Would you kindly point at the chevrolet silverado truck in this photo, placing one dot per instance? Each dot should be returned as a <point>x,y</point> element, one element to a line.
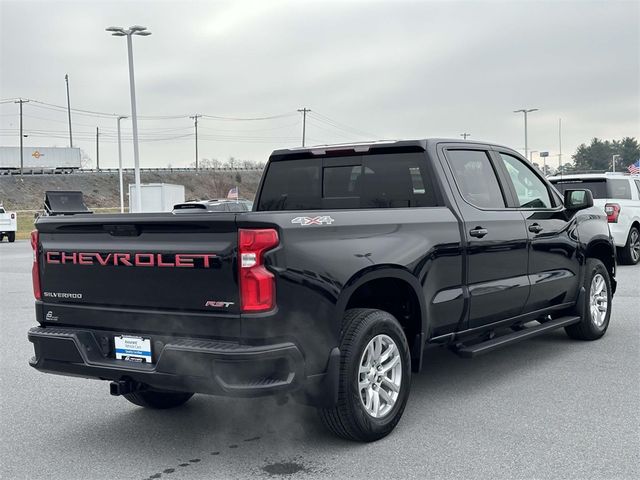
<point>354,260</point>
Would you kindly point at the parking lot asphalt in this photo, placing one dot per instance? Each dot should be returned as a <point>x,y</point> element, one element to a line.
<point>550,407</point>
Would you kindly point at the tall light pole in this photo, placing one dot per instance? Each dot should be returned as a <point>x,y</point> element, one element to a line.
<point>66,79</point>
<point>120,166</point>
<point>121,32</point>
<point>613,162</point>
<point>544,156</point>
<point>526,111</point>
<point>465,135</point>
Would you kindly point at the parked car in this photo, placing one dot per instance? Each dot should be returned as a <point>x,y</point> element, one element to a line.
<point>8,224</point>
<point>355,259</point>
<point>619,196</point>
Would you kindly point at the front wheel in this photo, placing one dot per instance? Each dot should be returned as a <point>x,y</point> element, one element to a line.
<point>630,253</point>
<point>158,399</point>
<point>375,377</point>
<point>595,308</point>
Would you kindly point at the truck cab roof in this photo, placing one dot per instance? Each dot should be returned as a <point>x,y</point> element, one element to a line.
<point>376,146</point>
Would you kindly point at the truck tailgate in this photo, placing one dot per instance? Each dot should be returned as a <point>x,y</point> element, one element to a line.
<point>152,262</point>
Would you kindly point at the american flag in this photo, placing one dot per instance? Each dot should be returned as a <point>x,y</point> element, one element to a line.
<point>233,193</point>
<point>634,167</point>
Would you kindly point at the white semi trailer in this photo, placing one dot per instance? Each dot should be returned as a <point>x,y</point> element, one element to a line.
<point>39,160</point>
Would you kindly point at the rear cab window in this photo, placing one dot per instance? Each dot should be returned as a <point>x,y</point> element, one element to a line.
<point>382,180</point>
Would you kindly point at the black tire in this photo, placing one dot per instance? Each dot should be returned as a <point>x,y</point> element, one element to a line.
<point>158,399</point>
<point>629,254</point>
<point>588,327</point>
<point>349,419</point>
<point>11,236</point>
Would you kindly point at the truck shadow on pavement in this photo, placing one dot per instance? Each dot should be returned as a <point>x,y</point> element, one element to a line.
<point>280,440</point>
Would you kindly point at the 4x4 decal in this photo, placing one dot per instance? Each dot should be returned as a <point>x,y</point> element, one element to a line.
<point>320,220</point>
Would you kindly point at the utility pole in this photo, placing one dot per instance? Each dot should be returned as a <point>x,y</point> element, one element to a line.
<point>97,150</point>
<point>465,135</point>
<point>66,79</point>
<point>120,166</point>
<point>195,124</point>
<point>304,122</point>
<point>21,101</point>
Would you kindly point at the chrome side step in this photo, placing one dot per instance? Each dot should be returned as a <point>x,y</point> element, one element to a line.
<point>517,336</point>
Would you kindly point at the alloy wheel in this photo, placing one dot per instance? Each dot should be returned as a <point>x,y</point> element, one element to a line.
<point>380,376</point>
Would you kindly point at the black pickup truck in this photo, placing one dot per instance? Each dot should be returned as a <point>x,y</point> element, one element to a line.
<point>354,260</point>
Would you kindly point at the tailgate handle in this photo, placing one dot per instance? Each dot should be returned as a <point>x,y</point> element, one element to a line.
<point>122,230</point>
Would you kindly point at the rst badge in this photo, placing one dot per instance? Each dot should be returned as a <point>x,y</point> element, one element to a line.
<point>320,220</point>
<point>217,304</point>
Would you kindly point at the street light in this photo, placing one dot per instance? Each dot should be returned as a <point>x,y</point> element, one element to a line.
<point>120,166</point>
<point>121,32</point>
<point>525,111</point>
<point>613,162</point>
<point>544,156</point>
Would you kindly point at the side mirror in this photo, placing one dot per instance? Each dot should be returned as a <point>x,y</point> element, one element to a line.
<point>575,200</point>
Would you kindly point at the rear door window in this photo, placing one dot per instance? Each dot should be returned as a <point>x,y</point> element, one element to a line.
<point>476,179</point>
<point>360,181</point>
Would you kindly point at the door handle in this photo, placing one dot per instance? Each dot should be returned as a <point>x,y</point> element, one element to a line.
<point>478,232</point>
<point>535,228</point>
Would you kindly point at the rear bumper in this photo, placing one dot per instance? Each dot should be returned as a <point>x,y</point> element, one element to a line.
<point>188,364</point>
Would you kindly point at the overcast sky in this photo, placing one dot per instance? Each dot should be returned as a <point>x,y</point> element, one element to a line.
<point>367,70</point>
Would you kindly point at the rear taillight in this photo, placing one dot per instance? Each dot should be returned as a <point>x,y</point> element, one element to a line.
<point>13,216</point>
<point>612,210</point>
<point>257,284</point>
<point>35,269</point>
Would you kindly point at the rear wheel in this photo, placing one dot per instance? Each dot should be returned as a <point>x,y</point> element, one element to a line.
<point>158,399</point>
<point>595,308</point>
<point>630,253</point>
<point>11,236</point>
<point>375,377</point>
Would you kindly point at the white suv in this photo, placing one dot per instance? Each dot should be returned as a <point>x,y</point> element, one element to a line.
<point>619,195</point>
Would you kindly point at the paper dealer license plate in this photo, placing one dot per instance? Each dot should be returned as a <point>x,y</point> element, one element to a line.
<point>133,349</point>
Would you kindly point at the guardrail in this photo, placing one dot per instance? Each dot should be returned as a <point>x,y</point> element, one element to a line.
<point>69,171</point>
<point>171,169</point>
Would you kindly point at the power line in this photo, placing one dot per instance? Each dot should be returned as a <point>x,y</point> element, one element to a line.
<point>334,123</point>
